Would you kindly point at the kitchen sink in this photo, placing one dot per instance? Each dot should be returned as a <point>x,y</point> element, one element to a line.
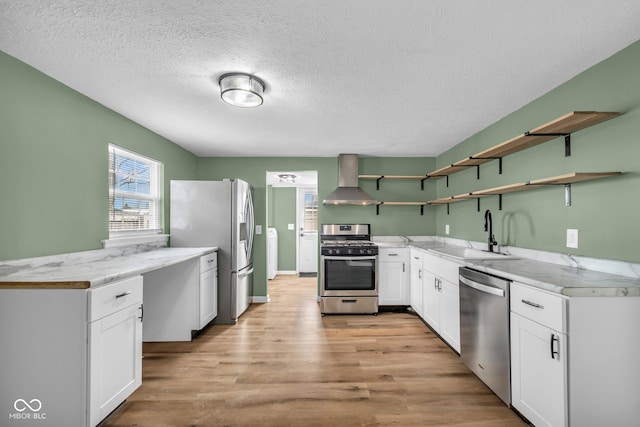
<point>472,254</point>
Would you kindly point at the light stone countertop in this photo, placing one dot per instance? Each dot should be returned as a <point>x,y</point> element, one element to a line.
<point>90,269</point>
<point>557,273</point>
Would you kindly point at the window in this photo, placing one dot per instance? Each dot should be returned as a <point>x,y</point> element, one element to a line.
<point>134,193</point>
<point>310,211</point>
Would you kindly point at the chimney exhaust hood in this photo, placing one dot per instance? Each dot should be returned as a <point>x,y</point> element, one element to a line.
<point>348,192</point>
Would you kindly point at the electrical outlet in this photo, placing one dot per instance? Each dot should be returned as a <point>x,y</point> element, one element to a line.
<point>572,238</point>
<point>291,227</point>
<point>258,229</point>
<point>446,229</point>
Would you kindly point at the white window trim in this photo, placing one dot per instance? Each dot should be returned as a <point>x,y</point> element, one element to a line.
<point>131,237</point>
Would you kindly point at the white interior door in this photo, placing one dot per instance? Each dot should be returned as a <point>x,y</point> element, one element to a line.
<point>307,207</point>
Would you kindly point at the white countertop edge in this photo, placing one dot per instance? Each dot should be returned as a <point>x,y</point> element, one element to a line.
<point>98,267</point>
<point>198,252</point>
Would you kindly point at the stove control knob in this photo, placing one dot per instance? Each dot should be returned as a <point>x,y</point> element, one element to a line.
<point>350,251</point>
<point>330,251</point>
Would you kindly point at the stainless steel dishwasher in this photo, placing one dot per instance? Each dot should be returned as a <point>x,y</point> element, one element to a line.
<point>484,329</point>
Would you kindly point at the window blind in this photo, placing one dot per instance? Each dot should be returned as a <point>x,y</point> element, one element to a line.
<point>134,193</point>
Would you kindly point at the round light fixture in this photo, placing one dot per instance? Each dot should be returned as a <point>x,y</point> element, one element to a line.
<point>241,90</point>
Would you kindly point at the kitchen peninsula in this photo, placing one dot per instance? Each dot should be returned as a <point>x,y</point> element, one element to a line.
<point>72,330</point>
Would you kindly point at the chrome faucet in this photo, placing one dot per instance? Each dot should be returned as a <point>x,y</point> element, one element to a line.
<point>488,226</point>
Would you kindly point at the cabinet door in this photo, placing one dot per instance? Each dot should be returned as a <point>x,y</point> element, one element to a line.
<point>115,360</point>
<point>208,296</point>
<point>431,299</point>
<point>390,283</point>
<point>415,291</point>
<point>450,314</point>
<point>538,377</point>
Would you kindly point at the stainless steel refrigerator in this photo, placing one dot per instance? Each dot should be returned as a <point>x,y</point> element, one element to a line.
<point>218,213</point>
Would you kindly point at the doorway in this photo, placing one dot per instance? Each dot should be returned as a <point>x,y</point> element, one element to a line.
<point>292,221</point>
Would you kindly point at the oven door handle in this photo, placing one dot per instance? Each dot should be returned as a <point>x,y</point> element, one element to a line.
<point>349,258</point>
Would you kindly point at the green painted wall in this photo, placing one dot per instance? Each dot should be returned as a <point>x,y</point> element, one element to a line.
<point>53,163</point>
<point>605,212</point>
<point>282,204</point>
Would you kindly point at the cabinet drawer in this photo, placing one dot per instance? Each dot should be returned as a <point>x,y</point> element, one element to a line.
<point>542,307</point>
<point>209,261</point>
<point>110,298</point>
<point>395,254</point>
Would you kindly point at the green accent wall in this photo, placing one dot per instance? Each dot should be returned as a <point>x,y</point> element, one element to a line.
<point>53,163</point>
<point>604,211</point>
<point>282,205</point>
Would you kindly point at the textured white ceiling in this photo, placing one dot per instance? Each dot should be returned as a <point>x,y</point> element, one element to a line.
<point>373,77</point>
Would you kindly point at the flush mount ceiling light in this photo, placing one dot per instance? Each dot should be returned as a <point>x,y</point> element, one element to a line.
<point>287,178</point>
<point>241,90</point>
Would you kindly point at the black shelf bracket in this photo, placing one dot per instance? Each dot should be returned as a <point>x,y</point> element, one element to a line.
<point>478,201</point>
<point>447,208</point>
<point>378,182</point>
<point>500,202</point>
<point>422,182</point>
<point>422,210</point>
<point>567,140</point>
<point>378,208</point>
<point>499,159</point>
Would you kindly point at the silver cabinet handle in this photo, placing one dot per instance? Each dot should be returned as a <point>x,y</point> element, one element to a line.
<point>124,294</point>
<point>532,304</point>
<point>403,267</point>
<point>392,254</point>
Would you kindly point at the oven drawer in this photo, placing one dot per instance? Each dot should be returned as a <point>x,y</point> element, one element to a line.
<point>349,305</point>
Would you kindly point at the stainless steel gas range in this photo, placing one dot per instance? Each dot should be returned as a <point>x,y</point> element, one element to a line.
<point>348,269</point>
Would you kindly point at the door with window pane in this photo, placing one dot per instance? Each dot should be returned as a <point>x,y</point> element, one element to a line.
<point>308,230</point>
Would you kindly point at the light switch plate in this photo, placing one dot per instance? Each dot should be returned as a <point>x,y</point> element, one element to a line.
<point>258,229</point>
<point>572,238</point>
<point>291,227</point>
<point>446,229</point>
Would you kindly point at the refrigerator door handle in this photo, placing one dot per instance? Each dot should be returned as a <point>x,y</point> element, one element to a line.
<point>250,223</point>
<point>245,273</point>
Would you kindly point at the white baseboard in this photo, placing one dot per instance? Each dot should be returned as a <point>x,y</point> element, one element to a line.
<point>287,272</point>
<point>260,299</point>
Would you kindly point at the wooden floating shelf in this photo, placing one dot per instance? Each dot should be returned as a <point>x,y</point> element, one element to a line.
<point>564,125</point>
<point>421,204</point>
<point>378,178</point>
<point>393,176</point>
<point>565,179</point>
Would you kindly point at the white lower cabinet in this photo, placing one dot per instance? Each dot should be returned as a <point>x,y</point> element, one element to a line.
<point>208,289</point>
<point>73,355</point>
<point>393,276</point>
<point>416,287</point>
<point>115,352</point>
<point>574,360</point>
<point>538,372</point>
<point>441,295</point>
<point>539,355</point>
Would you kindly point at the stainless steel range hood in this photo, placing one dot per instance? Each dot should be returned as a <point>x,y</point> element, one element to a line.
<point>348,192</point>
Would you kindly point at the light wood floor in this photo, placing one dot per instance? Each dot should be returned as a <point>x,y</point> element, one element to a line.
<point>284,364</point>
